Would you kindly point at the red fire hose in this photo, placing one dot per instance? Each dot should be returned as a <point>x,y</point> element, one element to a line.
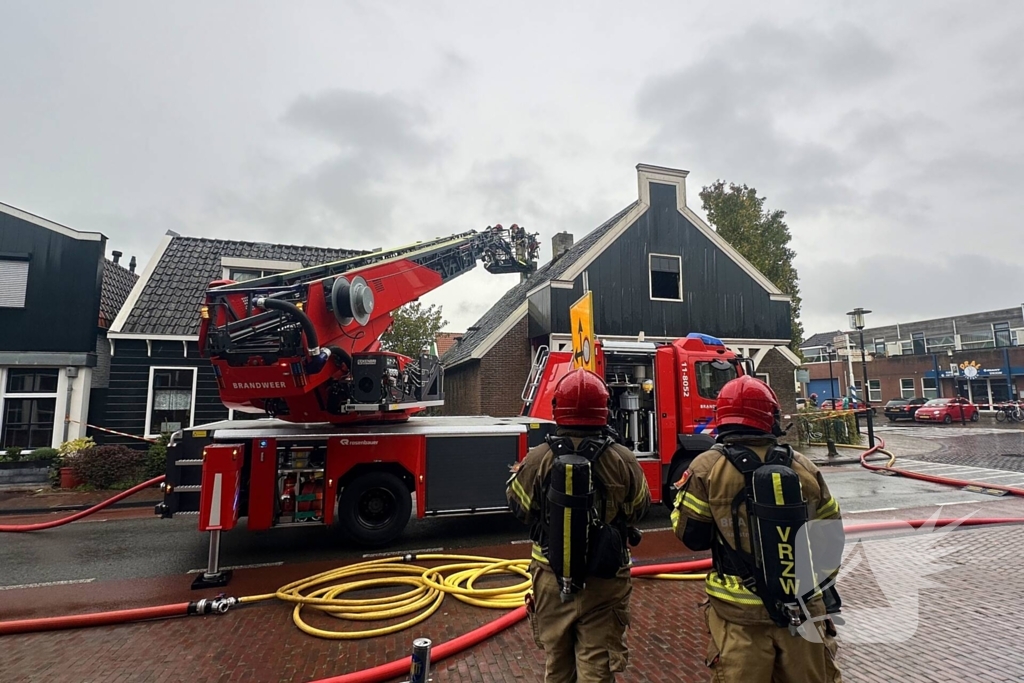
<point>18,528</point>
<point>181,609</point>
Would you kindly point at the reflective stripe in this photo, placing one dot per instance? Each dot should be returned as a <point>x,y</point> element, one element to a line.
<point>521,494</point>
<point>730,589</point>
<point>538,554</point>
<point>694,504</point>
<point>676,516</point>
<point>567,526</point>
<point>641,494</point>
<point>828,509</point>
<point>777,485</point>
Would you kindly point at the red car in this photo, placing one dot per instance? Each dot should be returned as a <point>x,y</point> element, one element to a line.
<point>947,410</point>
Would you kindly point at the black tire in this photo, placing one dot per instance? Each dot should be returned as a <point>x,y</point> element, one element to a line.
<point>1001,416</point>
<point>374,508</point>
<point>948,419</point>
<point>891,418</point>
<point>976,416</point>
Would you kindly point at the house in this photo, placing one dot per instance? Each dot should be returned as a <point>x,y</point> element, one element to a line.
<point>977,355</point>
<point>444,341</point>
<point>158,381</point>
<point>58,295</point>
<point>655,268</point>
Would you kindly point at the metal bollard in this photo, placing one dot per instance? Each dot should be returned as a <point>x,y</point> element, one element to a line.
<point>419,671</point>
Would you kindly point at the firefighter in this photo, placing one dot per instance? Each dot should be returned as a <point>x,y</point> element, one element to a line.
<point>580,620</point>
<point>756,634</point>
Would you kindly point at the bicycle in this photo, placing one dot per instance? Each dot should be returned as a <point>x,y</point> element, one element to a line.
<point>1010,412</point>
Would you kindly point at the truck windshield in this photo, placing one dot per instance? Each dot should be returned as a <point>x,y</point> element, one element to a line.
<point>712,376</point>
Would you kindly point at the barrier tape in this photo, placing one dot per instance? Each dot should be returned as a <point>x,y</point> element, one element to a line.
<point>113,431</point>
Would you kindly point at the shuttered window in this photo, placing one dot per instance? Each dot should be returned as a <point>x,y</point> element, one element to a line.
<point>13,282</point>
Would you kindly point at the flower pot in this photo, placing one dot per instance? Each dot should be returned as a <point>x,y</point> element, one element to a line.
<point>68,479</point>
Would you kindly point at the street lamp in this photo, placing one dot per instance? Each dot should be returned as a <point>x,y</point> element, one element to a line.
<point>857,322</point>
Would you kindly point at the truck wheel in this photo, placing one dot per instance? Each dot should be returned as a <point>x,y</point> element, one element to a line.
<point>374,508</point>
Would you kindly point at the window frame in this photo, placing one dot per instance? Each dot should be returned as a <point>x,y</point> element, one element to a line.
<point>4,396</point>
<point>871,391</point>
<point>650,276</point>
<point>903,389</point>
<point>925,390</point>
<point>1004,327</point>
<point>149,396</point>
<point>880,341</point>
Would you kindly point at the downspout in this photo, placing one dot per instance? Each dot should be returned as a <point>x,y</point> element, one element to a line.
<point>70,374</point>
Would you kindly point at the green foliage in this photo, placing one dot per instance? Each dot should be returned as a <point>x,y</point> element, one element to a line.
<point>69,449</point>
<point>413,328</point>
<point>45,455</point>
<point>816,426</point>
<point>156,457</point>
<point>12,454</point>
<point>110,466</point>
<point>761,235</point>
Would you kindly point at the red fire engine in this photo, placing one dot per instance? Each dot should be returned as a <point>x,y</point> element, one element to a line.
<point>343,443</point>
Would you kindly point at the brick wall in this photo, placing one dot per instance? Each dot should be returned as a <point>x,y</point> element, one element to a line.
<point>503,372</point>
<point>462,389</point>
<point>889,371</point>
<point>780,378</point>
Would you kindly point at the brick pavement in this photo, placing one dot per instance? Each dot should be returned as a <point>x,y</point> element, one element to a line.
<point>967,631</point>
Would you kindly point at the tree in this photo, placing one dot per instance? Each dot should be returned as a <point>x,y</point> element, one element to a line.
<point>413,328</point>
<point>761,235</point>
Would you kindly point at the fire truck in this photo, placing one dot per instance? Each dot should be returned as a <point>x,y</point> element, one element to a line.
<point>342,442</point>
<point>662,398</point>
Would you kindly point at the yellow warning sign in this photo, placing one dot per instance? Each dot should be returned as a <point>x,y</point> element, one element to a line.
<point>581,317</point>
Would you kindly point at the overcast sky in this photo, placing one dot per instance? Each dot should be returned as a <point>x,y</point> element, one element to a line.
<point>891,133</point>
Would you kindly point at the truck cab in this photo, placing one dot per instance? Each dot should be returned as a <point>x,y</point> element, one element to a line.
<point>662,398</point>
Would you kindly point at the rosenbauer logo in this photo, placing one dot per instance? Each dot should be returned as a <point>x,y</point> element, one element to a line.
<point>356,442</point>
<point>258,385</point>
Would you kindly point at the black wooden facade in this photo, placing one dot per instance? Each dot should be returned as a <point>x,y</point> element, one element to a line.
<point>62,296</point>
<point>718,296</point>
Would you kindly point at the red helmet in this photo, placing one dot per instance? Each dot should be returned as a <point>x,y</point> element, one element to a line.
<point>748,402</point>
<point>581,400</point>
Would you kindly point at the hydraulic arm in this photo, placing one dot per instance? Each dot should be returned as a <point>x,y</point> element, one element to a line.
<point>304,345</point>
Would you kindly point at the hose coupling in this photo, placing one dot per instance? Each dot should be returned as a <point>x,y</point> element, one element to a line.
<point>260,301</point>
<point>222,605</point>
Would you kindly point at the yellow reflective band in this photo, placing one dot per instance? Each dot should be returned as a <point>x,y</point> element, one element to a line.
<point>567,525</point>
<point>730,589</point>
<point>694,504</point>
<point>521,494</point>
<point>538,554</point>
<point>777,485</point>
<point>641,494</point>
<point>828,509</point>
<point>676,517</point>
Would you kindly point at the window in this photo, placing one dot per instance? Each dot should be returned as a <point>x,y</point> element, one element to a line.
<point>933,344</point>
<point>13,280</point>
<point>929,389</point>
<point>763,376</point>
<point>918,342</point>
<point>29,407</point>
<point>906,348</point>
<point>172,394</point>
<point>875,390</point>
<point>1001,332</point>
<point>880,346</point>
<point>815,354</point>
<point>907,387</point>
<point>712,376</point>
<point>666,277</point>
<point>244,269</point>
<point>243,274</point>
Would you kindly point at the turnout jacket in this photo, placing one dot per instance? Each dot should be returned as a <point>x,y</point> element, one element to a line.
<point>624,491</point>
<point>702,517</point>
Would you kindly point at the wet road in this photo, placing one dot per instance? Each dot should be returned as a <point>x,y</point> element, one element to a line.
<point>143,547</point>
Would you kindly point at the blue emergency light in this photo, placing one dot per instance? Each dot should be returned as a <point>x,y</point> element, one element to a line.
<point>706,338</point>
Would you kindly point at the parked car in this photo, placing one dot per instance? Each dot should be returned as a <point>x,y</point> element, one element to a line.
<point>902,408</point>
<point>837,404</point>
<point>947,410</point>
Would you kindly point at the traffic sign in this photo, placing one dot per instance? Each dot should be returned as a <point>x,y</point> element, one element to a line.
<point>581,318</point>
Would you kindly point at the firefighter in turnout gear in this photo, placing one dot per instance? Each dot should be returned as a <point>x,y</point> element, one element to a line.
<point>580,492</point>
<point>752,502</point>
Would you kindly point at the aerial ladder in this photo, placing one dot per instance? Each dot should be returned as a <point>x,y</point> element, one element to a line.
<point>304,345</point>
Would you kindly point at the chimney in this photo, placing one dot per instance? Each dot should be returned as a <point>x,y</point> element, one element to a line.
<point>131,265</point>
<point>560,244</point>
<point>117,256</point>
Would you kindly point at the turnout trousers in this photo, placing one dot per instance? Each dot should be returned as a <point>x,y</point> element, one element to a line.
<point>584,640</point>
<point>766,653</point>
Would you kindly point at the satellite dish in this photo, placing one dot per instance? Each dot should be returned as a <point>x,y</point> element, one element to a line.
<point>352,301</point>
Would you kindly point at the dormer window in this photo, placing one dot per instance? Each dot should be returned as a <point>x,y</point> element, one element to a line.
<point>244,269</point>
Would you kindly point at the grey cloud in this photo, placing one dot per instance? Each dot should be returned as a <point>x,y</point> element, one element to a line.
<point>903,288</point>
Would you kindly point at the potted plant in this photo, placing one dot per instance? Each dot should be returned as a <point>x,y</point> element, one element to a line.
<point>68,452</point>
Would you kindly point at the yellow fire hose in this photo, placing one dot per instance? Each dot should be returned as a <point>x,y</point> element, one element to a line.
<point>428,587</point>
